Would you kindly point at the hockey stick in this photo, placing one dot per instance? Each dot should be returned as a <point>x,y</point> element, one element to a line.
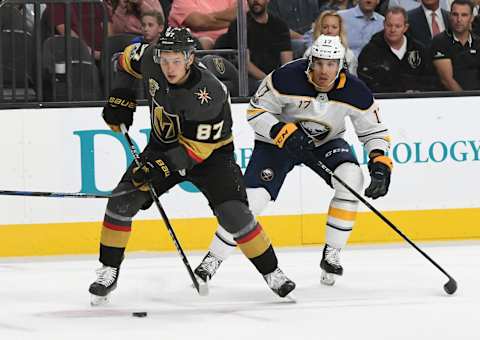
<point>451,286</point>
<point>201,289</point>
<point>62,194</point>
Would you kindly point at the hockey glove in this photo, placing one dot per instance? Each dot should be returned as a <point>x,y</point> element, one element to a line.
<point>380,168</point>
<point>119,109</point>
<point>290,137</point>
<point>142,176</point>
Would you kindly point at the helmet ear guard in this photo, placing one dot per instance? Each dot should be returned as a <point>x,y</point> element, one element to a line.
<point>175,39</point>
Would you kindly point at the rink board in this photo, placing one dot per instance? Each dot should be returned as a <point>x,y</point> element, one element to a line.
<point>434,191</point>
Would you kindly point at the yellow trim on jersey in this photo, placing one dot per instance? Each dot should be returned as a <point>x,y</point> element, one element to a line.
<point>203,150</point>
<point>254,111</point>
<point>126,64</point>
<point>342,81</point>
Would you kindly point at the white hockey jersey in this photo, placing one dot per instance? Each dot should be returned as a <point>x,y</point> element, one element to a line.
<point>288,95</point>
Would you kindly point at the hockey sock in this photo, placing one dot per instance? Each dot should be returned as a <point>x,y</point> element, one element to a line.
<point>256,245</point>
<point>114,239</point>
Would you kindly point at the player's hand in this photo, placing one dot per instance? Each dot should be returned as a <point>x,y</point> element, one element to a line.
<point>143,175</point>
<point>380,168</point>
<point>290,137</point>
<point>119,109</point>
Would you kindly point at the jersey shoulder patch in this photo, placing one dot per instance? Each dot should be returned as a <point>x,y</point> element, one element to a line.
<point>291,79</point>
<point>132,59</point>
<point>353,92</point>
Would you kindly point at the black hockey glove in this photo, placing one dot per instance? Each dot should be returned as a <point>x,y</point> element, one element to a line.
<point>142,176</point>
<point>119,109</point>
<point>291,137</point>
<point>380,168</point>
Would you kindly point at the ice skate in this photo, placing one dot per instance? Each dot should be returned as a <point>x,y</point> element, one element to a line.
<point>208,267</point>
<point>330,265</point>
<point>279,283</point>
<point>106,282</point>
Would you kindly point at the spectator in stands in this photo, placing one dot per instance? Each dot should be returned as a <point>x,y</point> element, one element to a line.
<point>299,16</point>
<point>126,14</point>
<point>207,19</point>
<point>426,21</point>
<point>362,22</point>
<point>336,5</point>
<point>153,24</point>
<point>330,23</point>
<point>408,5</point>
<point>394,62</point>
<point>456,53</point>
<point>88,16</point>
<point>268,41</point>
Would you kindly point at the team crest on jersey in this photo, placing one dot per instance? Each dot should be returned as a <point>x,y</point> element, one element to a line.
<point>203,96</point>
<point>315,130</point>
<point>153,87</point>
<point>219,65</point>
<point>267,175</point>
<point>414,59</point>
<point>165,125</point>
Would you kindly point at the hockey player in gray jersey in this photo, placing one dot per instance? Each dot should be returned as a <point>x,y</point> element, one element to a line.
<point>298,115</point>
<point>191,139</point>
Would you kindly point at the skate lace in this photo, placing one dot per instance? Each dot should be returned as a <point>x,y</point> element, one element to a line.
<point>332,256</point>
<point>106,275</point>
<point>275,279</point>
<point>210,263</point>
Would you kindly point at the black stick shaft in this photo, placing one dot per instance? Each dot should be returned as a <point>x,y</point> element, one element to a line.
<point>382,217</point>
<point>154,195</point>
<point>62,194</point>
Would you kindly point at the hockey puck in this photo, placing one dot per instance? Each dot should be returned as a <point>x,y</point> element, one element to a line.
<point>139,314</point>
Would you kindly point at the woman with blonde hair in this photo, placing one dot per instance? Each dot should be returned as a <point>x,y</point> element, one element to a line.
<point>330,23</point>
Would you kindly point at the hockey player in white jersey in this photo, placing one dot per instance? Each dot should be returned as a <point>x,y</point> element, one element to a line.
<point>298,114</point>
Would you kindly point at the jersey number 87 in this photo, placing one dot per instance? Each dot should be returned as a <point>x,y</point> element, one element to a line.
<point>205,131</point>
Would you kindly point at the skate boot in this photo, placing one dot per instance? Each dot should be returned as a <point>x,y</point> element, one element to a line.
<point>208,267</point>
<point>106,282</point>
<point>330,265</point>
<point>279,282</point>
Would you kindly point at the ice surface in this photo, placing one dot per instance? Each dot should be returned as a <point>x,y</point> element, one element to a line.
<point>387,292</point>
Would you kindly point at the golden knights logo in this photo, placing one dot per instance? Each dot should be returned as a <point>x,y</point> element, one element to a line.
<point>153,87</point>
<point>414,59</point>
<point>165,125</point>
<point>219,65</point>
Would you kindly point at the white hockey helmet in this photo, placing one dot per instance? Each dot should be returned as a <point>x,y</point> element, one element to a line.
<point>328,47</point>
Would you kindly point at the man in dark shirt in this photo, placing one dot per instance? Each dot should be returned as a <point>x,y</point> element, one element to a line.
<point>393,61</point>
<point>268,42</point>
<point>455,53</point>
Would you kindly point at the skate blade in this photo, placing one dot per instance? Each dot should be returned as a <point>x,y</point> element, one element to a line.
<point>327,279</point>
<point>291,298</point>
<point>96,300</point>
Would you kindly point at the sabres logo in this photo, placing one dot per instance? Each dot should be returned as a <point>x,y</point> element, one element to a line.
<point>203,96</point>
<point>153,87</point>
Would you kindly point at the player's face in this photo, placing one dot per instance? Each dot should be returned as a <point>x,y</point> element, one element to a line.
<point>174,66</point>
<point>331,25</point>
<point>460,18</point>
<point>151,30</point>
<point>394,28</point>
<point>324,72</point>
